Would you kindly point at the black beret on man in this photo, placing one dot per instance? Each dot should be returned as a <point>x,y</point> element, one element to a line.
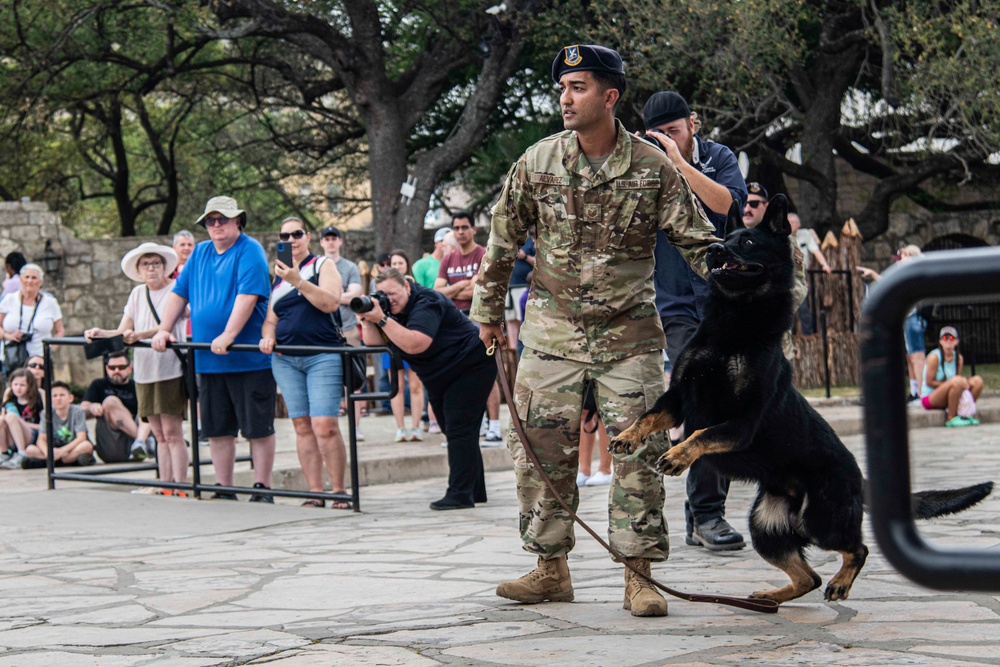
<point>663,107</point>
<point>586,58</point>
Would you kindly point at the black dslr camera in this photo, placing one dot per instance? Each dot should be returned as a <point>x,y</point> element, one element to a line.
<point>363,304</point>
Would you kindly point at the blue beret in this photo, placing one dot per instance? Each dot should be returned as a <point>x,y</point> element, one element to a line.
<point>586,58</point>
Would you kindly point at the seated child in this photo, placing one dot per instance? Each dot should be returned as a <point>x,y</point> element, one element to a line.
<point>22,410</point>
<point>71,444</point>
<point>944,388</point>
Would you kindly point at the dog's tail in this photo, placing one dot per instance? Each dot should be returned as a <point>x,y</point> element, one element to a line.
<point>930,504</point>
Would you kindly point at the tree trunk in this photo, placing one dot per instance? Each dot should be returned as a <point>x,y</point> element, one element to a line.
<point>123,200</point>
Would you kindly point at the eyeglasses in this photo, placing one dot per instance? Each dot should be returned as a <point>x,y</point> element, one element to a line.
<point>221,220</point>
<point>150,265</point>
<point>948,337</point>
<point>755,203</point>
<point>297,234</point>
<point>118,367</point>
<point>36,365</point>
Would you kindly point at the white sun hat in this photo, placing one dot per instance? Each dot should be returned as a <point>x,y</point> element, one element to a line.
<point>131,259</point>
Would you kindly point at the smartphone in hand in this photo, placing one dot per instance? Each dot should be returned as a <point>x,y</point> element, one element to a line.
<point>285,253</point>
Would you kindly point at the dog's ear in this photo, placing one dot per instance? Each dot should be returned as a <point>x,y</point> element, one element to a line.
<point>735,219</point>
<point>776,216</point>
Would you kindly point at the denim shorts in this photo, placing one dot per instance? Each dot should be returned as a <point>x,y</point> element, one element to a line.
<point>914,327</point>
<point>311,385</point>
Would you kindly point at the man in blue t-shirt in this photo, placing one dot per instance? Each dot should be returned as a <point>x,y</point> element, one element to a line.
<point>226,284</point>
<point>714,175</point>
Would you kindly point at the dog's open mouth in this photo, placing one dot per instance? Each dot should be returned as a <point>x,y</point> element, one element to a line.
<point>731,266</point>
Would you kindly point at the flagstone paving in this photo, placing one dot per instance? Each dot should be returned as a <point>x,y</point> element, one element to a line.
<point>95,576</point>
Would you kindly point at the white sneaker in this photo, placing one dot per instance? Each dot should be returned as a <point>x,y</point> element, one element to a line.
<point>484,427</point>
<point>598,479</point>
<point>359,436</point>
<point>402,435</point>
<point>416,435</point>
<point>14,462</point>
<point>581,479</point>
<point>434,428</point>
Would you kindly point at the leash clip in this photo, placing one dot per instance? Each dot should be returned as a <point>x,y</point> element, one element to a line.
<point>493,347</point>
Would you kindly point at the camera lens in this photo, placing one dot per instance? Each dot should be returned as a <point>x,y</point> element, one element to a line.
<point>362,304</point>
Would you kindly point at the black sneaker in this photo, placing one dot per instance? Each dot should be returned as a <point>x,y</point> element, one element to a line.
<point>223,495</point>
<point>261,497</point>
<point>85,460</point>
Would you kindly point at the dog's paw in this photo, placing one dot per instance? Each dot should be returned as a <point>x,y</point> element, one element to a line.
<point>626,442</point>
<point>835,591</point>
<point>674,462</point>
<point>766,595</point>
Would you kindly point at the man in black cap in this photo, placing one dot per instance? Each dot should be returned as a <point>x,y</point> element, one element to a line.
<point>753,212</point>
<point>594,198</point>
<point>714,175</point>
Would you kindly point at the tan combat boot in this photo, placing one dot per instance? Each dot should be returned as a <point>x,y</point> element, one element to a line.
<point>549,581</point>
<point>641,597</point>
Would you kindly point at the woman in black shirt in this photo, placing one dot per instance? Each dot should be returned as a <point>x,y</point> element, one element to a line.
<point>443,348</point>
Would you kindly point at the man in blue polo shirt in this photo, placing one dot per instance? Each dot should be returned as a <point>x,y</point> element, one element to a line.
<point>226,283</point>
<point>714,175</point>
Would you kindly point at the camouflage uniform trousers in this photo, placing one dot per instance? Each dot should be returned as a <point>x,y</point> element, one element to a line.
<point>549,395</point>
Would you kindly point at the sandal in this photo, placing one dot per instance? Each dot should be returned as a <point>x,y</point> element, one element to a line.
<point>314,502</point>
<point>341,505</point>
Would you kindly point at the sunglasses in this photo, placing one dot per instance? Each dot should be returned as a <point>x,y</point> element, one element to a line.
<point>118,367</point>
<point>212,222</point>
<point>297,234</point>
<point>948,337</point>
<point>36,365</point>
<point>754,204</point>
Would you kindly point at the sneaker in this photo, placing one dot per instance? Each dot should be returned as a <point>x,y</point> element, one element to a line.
<point>359,436</point>
<point>14,462</point>
<point>957,422</point>
<point>484,427</point>
<point>444,444</point>
<point>416,435</point>
<point>261,497</point>
<point>402,435</point>
<point>581,479</point>
<point>224,495</point>
<point>151,446</point>
<point>599,479</point>
<point>425,426</point>
<point>434,428</point>
<point>138,452</point>
<point>5,457</point>
<point>972,421</point>
<point>85,460</point>
<point>492,439</point>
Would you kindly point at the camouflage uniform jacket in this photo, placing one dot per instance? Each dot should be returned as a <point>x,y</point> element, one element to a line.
<point>592,299</point>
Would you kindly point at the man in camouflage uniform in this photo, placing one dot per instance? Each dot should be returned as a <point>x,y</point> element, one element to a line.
<point>594,197</point>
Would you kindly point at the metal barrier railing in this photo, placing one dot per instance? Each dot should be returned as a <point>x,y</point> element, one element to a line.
<point>937,275</point>
<point>100,474</point>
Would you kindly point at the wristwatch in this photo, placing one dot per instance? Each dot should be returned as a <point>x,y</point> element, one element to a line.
<point>381,322</point>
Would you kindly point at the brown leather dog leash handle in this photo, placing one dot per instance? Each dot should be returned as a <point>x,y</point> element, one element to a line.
<point>764,606</point>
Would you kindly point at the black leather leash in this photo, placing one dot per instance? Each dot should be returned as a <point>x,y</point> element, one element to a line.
<point>750,604</point>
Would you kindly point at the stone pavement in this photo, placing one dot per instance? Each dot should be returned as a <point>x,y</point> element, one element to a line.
<point>94,576</point>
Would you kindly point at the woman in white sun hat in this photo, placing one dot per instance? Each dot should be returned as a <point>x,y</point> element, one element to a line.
<point>159,376</point>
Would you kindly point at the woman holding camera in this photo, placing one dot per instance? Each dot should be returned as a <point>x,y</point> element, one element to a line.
<point>443,348</point>
<point>303,298</point>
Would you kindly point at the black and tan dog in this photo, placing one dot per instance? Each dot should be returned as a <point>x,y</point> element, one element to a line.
<point>732,390</point>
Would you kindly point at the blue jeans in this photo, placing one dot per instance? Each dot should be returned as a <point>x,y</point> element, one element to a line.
<point>914,327</point>
<point>311,386</point>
